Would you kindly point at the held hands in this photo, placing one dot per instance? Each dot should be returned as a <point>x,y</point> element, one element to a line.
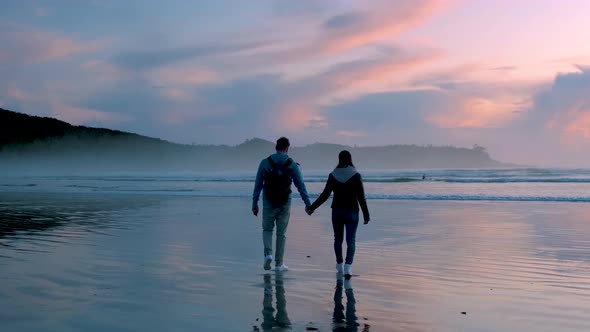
<point>310,211</point>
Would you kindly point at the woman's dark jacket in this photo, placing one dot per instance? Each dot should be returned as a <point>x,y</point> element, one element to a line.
<point>347,185</point>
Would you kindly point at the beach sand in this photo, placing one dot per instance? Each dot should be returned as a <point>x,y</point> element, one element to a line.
<point>97,262</point>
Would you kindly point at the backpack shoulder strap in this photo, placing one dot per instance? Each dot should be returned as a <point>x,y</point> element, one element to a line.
<point>271,162</point>
<point>287,164</point>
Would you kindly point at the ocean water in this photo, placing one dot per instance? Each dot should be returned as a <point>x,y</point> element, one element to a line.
<point>521,184</point>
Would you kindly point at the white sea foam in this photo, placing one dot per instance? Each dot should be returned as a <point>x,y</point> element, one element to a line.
<point>523,184</point>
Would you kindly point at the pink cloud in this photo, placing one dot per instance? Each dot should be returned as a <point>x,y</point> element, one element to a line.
<point>477,112</point>
<point>362,77</point>
<point>177,94</point>
<point>296,115</point>
<point>176,82</point>
<point>351,133</point>
<point>104,71</point>
<point>579,127</point>
<point>438,78</point>
<point>80,115</point>
<point>381,21</point>
<point>46,104</point>
<point>377,22</point>
<point>20,95</point>
<point>301,107</point>
<point>564,108</point>
<point>182,75</point>
<point>178,116</point>
<point>572,124</point>
<point>22,45</point>
<point>582,58</point>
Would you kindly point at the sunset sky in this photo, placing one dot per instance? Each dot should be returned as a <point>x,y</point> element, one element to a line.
<point>513,76</point>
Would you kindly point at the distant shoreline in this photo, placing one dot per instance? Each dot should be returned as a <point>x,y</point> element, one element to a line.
<point>36,143</point>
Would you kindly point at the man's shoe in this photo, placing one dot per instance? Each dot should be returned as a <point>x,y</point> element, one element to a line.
<point>281,268</point>
<point>339,267</point>
<point>267,261</point>
<point>347,269</point>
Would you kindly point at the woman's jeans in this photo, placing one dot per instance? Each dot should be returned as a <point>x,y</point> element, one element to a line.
<point>342,219</point>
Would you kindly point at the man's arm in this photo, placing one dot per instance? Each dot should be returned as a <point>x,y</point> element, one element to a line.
<point>324,195</point>
<point>258,184</point>
<point>300,185</point>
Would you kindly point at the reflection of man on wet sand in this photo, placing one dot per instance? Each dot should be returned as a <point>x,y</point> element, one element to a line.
<point>280,321</point>
<point>340,320</point>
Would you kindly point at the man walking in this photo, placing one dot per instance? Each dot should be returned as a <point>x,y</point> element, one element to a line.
<point>275,175</point>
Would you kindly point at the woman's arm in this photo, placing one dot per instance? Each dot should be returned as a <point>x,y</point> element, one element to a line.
<point>362,200</point>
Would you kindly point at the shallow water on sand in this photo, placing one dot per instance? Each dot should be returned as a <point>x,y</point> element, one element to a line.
<point>117,262</point>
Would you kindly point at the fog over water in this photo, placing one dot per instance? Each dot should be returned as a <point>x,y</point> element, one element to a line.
<point>70,154</point>
<point>523,184</point>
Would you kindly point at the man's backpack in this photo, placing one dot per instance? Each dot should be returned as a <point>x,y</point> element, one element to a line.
<point>277,182</point>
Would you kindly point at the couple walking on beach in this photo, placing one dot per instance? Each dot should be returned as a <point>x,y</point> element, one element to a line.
<point>274,177</point>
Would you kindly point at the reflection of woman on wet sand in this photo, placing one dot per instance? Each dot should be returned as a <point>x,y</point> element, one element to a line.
<point>281,319</point>
<point>340,320</point>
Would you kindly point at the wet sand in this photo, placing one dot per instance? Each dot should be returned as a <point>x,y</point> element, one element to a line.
<point>96,262</point>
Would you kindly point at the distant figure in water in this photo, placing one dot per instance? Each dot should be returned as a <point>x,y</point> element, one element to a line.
<point>347,185</point>
<point>423,176</point>
<point>275,175</point>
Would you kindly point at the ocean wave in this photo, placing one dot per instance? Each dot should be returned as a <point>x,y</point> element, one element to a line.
<point>20,185</point>
<point>222,193</point>
<point>393,180</point>
<point>406,179</point>
<point>392,197</point>
<point>583,199</point>
<point>519,175</point>
<point>514,180</point>
<point>81,186</point>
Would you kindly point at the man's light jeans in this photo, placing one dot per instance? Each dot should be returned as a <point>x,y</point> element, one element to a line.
<point>280,216</point>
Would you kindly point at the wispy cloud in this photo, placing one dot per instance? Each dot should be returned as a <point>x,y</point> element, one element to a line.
<point>182,75</point>
<point>504,68</point>
<point>54,106</point>
<point>382,73</point>
<point>157,56</point>
<point>80,115</point>
<point>366,25</point>
<point>477,112</point>
<point>21,45</point>
<point>104,71</point>
<point>374,23</point>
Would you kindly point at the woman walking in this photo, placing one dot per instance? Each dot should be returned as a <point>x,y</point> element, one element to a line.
<point>347,185</point>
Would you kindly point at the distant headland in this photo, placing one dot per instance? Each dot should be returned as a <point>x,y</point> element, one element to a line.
<point>32,143</point>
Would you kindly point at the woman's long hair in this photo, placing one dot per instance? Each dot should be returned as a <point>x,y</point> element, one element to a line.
<point>344,159</point>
